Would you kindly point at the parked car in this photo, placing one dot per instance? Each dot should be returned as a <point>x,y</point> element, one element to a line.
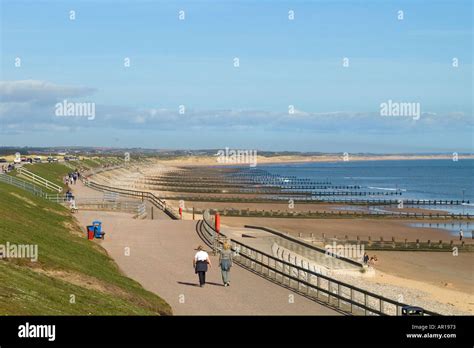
<point>3,160</point>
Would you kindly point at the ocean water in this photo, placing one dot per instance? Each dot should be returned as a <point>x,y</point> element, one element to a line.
<point>416,179</point>
<point>452,227</point>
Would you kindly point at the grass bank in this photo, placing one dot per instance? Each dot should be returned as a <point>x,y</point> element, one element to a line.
<point>73,276</point>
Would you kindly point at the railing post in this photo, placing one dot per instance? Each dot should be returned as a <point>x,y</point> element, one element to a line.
<point>317,287</point>
<point>352,299</point>
<point>365,303</point>
<point>338,296</point>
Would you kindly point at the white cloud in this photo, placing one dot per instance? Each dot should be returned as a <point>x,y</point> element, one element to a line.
<point>30,104</point>
<point>39,91</point>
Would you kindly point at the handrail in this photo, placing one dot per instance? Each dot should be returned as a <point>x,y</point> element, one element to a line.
<point>138,208</point>
<point>253,257</point>
<point>303,243</point>
<point>25,185</point>
<point>40,180</point>
<point>141,194</point>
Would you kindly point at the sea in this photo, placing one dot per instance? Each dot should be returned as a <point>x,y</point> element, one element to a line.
<point>415,179</point>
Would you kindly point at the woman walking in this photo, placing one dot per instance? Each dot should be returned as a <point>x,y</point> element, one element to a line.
<point>200,262</point>
<point>225,262</point>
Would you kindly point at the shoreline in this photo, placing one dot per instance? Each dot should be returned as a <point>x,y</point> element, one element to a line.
<point>433,276</point>
<point>197,161</point>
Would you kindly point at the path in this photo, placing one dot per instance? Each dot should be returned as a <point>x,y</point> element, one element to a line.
<point>79,190</point>
<point>161,253</point>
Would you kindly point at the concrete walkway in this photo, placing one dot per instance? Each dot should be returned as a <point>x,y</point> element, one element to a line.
<point>160,258</point>
<point>79,190</point>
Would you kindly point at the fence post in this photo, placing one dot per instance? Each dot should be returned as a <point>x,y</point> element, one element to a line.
<point>352,298</point>
<point>338,294</point>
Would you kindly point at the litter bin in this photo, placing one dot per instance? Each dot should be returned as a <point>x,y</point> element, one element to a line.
<point>97,229</point>
<point>90,232</point>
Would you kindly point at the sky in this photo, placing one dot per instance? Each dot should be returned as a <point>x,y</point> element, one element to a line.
<point>312,82</point>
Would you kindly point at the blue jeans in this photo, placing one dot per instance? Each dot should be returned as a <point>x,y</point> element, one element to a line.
<point>225,276</point>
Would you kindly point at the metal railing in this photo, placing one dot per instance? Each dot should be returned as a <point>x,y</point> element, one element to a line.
<point>301,279</point>
<point>27,186</point>
<point>137,208</point>
<point>141,211</point>
<point>138,194</point>
<point>39,180</point>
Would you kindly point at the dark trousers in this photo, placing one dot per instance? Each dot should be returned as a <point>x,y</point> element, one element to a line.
<point>202,277</point>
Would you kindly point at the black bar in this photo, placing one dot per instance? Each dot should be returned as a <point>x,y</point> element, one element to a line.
<point>260,330</point>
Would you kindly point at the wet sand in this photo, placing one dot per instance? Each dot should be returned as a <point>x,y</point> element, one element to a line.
<point>339,228</point>
<point>442,276</point>
<point>299,207</point>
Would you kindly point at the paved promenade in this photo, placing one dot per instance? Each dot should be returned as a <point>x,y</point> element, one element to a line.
<point>160,258</point>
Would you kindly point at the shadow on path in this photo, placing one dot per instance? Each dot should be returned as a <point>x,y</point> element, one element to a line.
<point>194,284</point>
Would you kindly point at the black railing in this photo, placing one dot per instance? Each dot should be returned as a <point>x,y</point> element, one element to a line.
<point>343,297</point>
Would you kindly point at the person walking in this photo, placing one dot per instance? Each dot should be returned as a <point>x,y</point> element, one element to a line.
<point>461,234</point>
<point>366,258</point>
<point>200,262</point>
<point>225,263</point>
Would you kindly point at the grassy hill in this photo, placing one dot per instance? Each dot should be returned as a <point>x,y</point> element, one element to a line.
<point>53,172</point>
<point>68,264</point>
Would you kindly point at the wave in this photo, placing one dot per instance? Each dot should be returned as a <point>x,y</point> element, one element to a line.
<point>386,188</point>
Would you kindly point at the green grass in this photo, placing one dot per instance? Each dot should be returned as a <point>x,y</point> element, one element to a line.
<point>63,249</point>
<point>53,172</point>
<point>89,163</point>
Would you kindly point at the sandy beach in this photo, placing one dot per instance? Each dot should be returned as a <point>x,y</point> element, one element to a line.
<point>212,160</point>
<point>352,228</point>
<point>439,276</point>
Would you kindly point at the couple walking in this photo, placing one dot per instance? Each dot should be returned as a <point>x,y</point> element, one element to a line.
<point>201,262</point>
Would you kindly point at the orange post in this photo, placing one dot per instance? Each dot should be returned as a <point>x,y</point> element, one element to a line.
<point>218,222</point>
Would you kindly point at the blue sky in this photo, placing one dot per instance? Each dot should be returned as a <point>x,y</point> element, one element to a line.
<point>282,63</point>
